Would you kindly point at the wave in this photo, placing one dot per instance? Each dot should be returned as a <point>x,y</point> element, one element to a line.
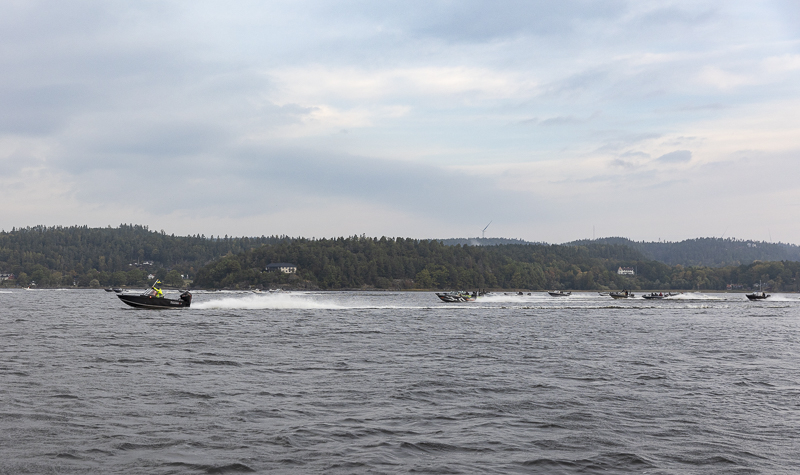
<point>269,301</point>
<point>693,296</point>
<point>781,298</point>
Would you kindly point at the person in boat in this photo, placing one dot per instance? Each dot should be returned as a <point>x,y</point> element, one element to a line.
<point>157,288</point>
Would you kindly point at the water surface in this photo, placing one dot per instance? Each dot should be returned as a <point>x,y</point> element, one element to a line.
<point>388,382</point>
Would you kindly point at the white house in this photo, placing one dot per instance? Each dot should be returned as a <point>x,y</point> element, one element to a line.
<point>284,267</point>
<point>626,271</point>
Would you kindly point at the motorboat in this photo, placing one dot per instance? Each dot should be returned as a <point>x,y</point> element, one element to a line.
<point>658,295</point>
<point>758,295</point>
<point>559,293</point>
<point>109,289</point>
<point>624,294</point>
<point>150,301</point>
<point>457,296</point>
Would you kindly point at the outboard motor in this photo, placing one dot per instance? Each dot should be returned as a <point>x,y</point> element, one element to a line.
<point>186,297</point>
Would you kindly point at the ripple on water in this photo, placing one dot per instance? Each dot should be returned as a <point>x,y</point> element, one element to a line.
<point>394,383</point>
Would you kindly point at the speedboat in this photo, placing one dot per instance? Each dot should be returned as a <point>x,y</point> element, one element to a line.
<point>758,296</point>
<point>149,300</point>
<point>658,295</point>
<point>559,293</point>
<point>457,296</point>
<point>622,295</point>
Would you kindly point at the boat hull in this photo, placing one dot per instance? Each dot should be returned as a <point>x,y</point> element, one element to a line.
<point>621,295</point>
<point>453,297</point>
<point>560,294</point>
<point>757,296</point>
<point>156,303</point>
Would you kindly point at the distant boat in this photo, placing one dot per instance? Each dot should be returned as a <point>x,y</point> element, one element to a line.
<point>559,293</point>
<point>457,296</point>
<point>760,295</point>
<point>622,295</point>
<point>109,289</point>
<point>658,295</point>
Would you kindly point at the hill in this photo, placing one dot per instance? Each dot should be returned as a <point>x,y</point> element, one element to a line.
<point>397,263</point>
<point>362,262</point>
<point>126,255</point>
<point>712,252</point>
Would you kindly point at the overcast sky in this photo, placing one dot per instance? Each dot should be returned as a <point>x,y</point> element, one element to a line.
<point>427,119</point>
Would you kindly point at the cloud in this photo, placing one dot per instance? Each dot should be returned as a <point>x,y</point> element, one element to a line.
<point>231,115</point>
<point>678,156</point>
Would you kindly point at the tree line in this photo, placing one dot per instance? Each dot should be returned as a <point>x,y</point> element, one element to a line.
<point>128,254</point>
<point>360,262</point>
<point>712,252</point>
<point>79,255</point>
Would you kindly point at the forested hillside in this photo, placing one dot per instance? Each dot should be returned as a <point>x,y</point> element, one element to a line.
<point>713,252</point>
<point>61,256</point>
<point>361,262</point>
<point>482,241</point>
<point>126,255</point>
<point>357,262</point>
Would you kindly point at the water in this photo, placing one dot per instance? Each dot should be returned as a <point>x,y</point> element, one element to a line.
<point>398,382</point>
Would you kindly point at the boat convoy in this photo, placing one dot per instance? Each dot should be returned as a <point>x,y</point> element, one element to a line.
<point>153,298</point>
<point>461,296</point>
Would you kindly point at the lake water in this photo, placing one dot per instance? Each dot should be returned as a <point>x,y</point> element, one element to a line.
<point>388,382</point>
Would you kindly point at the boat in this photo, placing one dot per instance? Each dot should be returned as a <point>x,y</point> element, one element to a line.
<point>149,300</point>
<point>758,295</point>
<point>559,293</point>
<point>117,290</point>
<point>109,289</point>
<point>657,295</point>
<point>457,296</point>
<point>624,294</point>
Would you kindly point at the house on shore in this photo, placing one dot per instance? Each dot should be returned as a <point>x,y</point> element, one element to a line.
<point>284,267</point>
<point>626,271</point>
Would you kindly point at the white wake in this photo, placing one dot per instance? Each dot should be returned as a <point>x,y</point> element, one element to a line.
<point>267,301</point>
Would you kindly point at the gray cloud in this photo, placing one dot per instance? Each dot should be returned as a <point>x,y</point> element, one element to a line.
<point>126,101</point>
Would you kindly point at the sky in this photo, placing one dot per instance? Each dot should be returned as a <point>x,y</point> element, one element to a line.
<point>554,121</point>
